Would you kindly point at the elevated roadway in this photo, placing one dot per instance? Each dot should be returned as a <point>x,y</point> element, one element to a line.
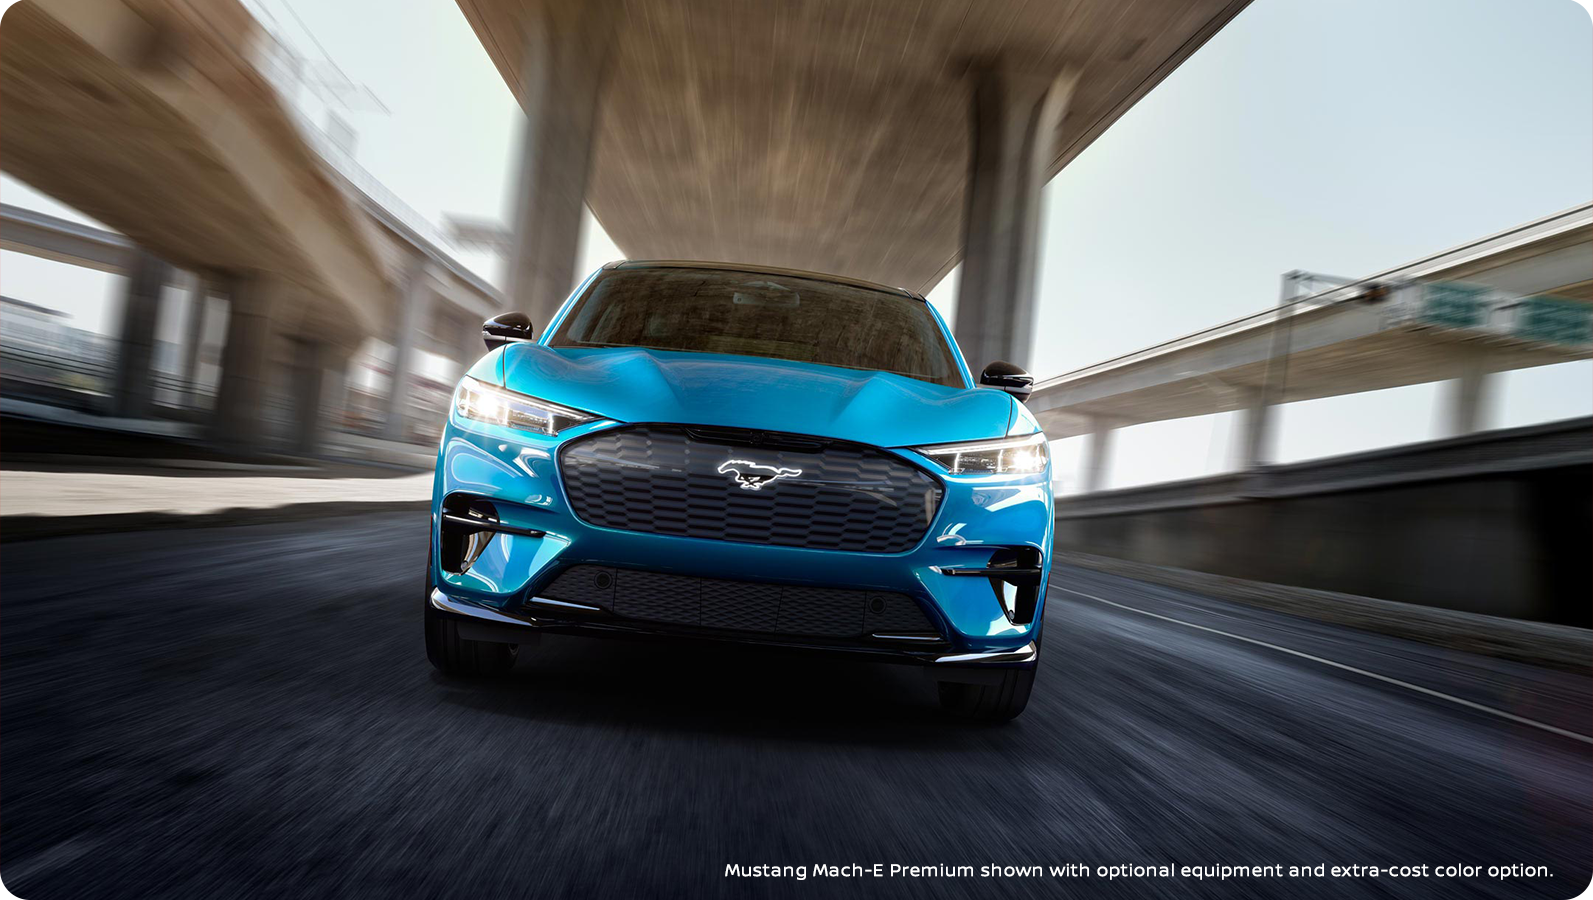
<point>158,118</point>
<point>435,304</point>
<point>151,116</point>
<point>1520,298</point>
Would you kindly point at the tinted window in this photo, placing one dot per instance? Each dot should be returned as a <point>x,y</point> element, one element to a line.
<point>758,314</point>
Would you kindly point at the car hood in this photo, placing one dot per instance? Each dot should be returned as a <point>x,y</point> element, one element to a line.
<point>634,385</point>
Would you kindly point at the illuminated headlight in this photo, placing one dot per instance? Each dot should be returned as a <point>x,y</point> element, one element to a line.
<point>485,403</point>
<point>1005,456</point>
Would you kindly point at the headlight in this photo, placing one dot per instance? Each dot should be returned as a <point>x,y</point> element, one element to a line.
<point>1004,456</point>
<point>485,403</point>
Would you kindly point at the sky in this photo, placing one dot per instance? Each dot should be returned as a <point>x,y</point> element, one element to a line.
<point>1344,137</point>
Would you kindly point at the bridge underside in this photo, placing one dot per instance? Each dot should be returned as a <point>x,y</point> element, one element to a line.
<point>1376,360</point>
<point>150,117</point>
<point>873,140</point>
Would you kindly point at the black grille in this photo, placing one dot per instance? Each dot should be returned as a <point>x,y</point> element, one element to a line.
<point>749,487</point>
<point>739,605</point>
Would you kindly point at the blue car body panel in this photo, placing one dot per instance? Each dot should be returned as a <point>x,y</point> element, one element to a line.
<point>518,471</point>
<point>634,385</point>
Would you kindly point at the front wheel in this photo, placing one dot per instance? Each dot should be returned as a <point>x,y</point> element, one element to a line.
<point>454,655</point>
<point>998,702</point>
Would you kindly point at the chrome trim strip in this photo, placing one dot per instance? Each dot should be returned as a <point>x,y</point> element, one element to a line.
<point>491,525</point>
<point>445,603</point>
<point>1024,654</point>
<point>927,638</point>
<point>1006,573</point>
<point>583,607</point>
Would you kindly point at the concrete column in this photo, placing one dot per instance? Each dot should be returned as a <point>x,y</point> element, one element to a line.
<point>471,346</point>
<point>319,384</point>
<point>1466,398</point>
<point>414,305</point>
<point>135,386</point>
<point>1015,118</point>
<point>245,361</point>
<point>562,82</point>
<point>194,341</point>
<point>1098,456</point>
<point>334,395</point>
<point>309,381</point>
<point>1253,446</point>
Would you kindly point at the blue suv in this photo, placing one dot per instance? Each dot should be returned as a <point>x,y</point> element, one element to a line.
<point>708,451</point>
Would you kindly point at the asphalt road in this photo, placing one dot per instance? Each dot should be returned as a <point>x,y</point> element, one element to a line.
<point>248,711</point>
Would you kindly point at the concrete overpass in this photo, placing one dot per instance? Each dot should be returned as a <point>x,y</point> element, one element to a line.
<point>1511,300</point>
<point>152,117</point>
<point>436,305</point>
<point>884,140</point>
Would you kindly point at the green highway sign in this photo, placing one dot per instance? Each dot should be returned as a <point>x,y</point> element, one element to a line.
<point>1455,305</point>
<point>1555,320</point>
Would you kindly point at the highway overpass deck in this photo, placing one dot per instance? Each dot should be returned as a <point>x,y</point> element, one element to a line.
<point>152,117</point>
<point>884,140</point>
<point>1511,300</point>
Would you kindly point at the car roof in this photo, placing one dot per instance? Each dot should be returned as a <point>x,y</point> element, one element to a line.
<point>762,270</point>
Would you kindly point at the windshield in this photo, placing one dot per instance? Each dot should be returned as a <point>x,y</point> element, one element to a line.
<point>761,314</point>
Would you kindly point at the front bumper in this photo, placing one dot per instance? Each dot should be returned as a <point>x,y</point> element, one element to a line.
<point>482,624</point>
<point>517,472</point>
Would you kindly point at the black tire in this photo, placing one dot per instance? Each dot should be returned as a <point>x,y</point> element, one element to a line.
<point>998,702</point>
<point>453,655</point>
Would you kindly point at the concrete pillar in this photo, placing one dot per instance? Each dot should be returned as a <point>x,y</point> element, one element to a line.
<point>238,421</point>
<point>194,340</point>
<point>334,395</point>
<point>1466,398</point>
<point>319,384</point>
<point>134,390</point>
<point>1253,446</point>
<point>562,82</point>
<point>1015,118</point>
<point>414,305</point>
<point>1098,456</point>
<point>471,346</point>
<point>308,382</point>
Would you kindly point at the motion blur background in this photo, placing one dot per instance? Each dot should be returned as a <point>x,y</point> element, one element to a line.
<point>1307,289</point>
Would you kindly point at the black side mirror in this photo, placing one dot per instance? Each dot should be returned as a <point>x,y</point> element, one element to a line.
<point>1009,378</point>
<point>507,328</point>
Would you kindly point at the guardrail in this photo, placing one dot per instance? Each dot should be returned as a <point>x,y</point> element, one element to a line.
<point>1567,442</point>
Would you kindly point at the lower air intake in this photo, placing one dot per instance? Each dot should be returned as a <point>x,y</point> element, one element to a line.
<point>740,605</point>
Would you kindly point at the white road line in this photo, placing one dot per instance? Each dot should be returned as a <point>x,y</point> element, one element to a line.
<point>1338,665</point>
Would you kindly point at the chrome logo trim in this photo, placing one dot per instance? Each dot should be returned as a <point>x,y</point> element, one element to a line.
<point>751,476</point>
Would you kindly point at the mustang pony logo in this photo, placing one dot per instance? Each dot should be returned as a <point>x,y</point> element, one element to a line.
<point>753,476</point>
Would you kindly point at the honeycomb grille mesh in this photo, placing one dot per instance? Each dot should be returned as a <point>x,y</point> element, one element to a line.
<point>739,605</point>
<point>749,487</point>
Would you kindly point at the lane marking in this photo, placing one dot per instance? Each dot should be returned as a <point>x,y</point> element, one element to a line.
<point>1338,665</point>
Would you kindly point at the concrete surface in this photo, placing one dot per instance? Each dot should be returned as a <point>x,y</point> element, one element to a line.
<point>248,713</point>
<point>153,117</point>
<point>831,135</point>
<point>75,495</point>
<point>1495,523</point>
<point>1561,647</point>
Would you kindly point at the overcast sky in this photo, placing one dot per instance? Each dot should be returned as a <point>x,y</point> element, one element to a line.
<point>1342,137</point>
